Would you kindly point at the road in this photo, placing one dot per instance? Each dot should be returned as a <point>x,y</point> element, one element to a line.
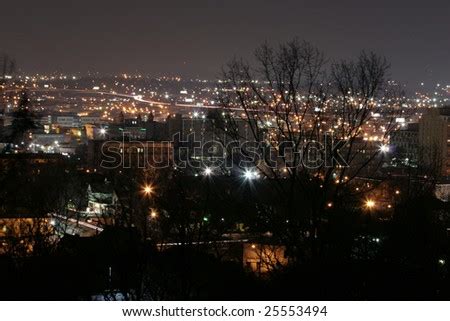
<point>97,229</point>
<point>138,98</point>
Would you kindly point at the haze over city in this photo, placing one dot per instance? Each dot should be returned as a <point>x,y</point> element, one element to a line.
<point>194,39</point>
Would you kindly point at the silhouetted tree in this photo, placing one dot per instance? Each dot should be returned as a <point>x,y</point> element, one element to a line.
<point>312,118</point>
<point>23,119</point>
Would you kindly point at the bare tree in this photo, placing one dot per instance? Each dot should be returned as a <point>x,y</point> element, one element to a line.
<point>308,121</point>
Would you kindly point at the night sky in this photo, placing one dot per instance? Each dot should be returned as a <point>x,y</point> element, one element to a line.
<point>194,38</point>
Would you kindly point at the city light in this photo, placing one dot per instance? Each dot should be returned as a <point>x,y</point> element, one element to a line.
<point>384,148</point>
<point>250,174</point>
<point>148,189</point>
<point>236,175</point>
<point>370,204</point>
<point>208,171</point>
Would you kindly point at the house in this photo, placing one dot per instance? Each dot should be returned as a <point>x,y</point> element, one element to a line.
<point>102,200</point>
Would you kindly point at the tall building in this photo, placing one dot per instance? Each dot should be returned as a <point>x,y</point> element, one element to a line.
<point>404,144</point>
<point>113,154</point>
<point>434,140</point>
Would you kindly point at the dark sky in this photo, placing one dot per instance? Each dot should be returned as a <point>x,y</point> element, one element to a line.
<point>195,37</point>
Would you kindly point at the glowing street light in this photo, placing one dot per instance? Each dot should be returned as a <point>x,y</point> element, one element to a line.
<point>370,204</point>
<point>102,131</point>
<point>250,174</point>
<point>208,171</point>
<point>148,189</point>
<point>384,148</point>
<point>153,214</point>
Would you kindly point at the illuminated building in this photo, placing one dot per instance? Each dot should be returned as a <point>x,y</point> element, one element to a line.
<point>405,145</point>
<point>114,154</point>
<point>434,140</point>
<point>20,229</point>
<point>102,200</point>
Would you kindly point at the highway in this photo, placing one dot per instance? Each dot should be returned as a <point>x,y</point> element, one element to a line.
<point>138,98</point>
